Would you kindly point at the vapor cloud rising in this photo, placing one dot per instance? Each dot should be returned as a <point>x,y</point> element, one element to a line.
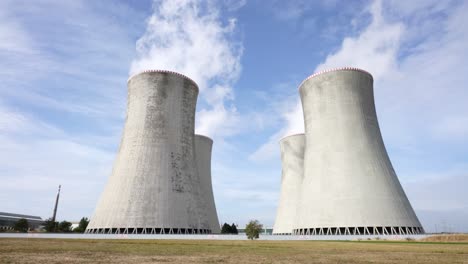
<point>189,37</point>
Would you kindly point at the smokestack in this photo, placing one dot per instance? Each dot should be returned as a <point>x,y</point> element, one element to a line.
<point>56,204</point>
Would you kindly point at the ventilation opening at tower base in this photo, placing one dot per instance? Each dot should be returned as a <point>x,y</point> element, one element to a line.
<point>362,230</point>
<point>149,231</point>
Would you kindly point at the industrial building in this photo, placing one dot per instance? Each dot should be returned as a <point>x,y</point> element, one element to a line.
<point>160,183</point>
<point>8,220</point>
<point>348,186</point>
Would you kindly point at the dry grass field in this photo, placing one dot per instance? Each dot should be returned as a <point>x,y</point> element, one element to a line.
<point>447,238</point>
<point>205,251</point>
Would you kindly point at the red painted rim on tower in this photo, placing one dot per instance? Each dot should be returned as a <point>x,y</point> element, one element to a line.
<point>164,71</point>
<point>333,70</point>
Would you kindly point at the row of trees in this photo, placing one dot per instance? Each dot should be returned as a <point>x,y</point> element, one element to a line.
<point>65,226</point>
<point>252,229</point>
<point>53,227</point>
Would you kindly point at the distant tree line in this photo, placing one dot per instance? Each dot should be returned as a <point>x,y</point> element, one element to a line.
<point>65,226</point>
<point>21,226</point>
<point>229,229</point>
<point>82,225</point>
<point>50,226</point>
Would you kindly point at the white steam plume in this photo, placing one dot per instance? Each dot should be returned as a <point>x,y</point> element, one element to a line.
<point>188,36</point>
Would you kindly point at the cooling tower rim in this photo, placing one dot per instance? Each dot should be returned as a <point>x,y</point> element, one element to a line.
<point>334,70</point>
<point>204,137</point>
<point>292,135</point>
<point>164,71</point>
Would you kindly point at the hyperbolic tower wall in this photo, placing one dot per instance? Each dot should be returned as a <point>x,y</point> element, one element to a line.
<point>292,160</point>
<point>349,185</point>
<point>155,187</point>
<point>203,147</point>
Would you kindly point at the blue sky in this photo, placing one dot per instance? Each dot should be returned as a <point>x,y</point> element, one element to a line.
<point>64,66</point>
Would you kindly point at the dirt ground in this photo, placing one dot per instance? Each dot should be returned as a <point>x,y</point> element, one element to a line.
<point>34,250</point>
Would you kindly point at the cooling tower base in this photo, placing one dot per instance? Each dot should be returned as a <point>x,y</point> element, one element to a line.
<point>366,230</point>
<point>149,231</point>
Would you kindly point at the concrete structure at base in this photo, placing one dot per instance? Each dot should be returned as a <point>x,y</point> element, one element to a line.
<point>155,187</point>
<point>292,160</point>
<point>349,186</point>
<point>203,147</point>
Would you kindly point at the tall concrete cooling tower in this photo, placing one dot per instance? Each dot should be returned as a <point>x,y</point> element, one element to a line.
<point>154,187</point>
<point>203,147</point>
<point>349,185</point>
<point>292,161</point>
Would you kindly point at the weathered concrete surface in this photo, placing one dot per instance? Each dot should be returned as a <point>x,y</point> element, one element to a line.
<point>154,182</point>
<point>292,162</point>
<point>203,147</point>
<point>348,179</point>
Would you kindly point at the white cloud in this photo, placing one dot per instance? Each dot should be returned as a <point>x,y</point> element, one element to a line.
<point>374,49</point>
<point>295,125</point>
<point>295,9</point>
<point>234,5</point>
<point>12,36</point>
<point>72,68</point>
<point>425,100</point>
<point>189,37</point>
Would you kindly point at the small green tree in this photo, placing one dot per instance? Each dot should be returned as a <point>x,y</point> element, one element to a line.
<point>64,227</point>
<point>226,229</point>
<point>253,229</point>
<point>50,226</point>
<point>82,225</point>
<point>22,225</point>
<point>234,229</point>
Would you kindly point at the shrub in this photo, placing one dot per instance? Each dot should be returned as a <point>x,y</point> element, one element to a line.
<point>253,229</point>
<point>22,225</point>
<point>234,229</point>
<point>82,225</point>
<point>226,229</point>
<point>50,226</point>
<point>64,227</point>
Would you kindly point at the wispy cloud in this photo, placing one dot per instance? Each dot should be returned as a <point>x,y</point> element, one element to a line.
<point>62,108</point>
<point>72,67</point>
<point>36,157</point>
